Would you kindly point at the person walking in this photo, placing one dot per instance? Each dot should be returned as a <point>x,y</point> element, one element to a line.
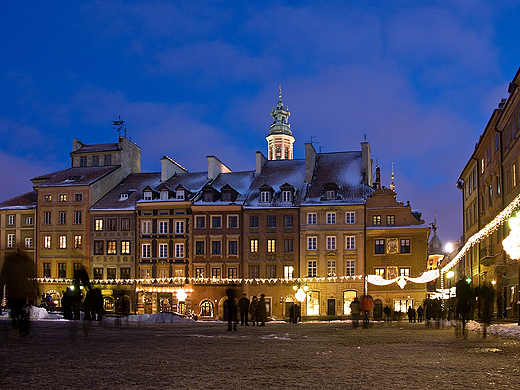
<point>231,310</point>
<point>420,314</point>
<point>355,311</point>
<point>262,311</point>
<point>464,303</point>
<point>243,306</point>
<point>253,310</point>
<point>366,307</point>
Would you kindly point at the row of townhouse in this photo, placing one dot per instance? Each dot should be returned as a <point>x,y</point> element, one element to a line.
<point>489,184</point>
<point>174,241</point>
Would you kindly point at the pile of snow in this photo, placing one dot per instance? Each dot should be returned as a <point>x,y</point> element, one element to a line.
<point>157,317</point>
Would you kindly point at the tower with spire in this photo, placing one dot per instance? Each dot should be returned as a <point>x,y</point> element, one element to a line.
<point>280,140</point>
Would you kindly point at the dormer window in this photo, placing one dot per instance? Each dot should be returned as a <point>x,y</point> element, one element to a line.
<point>286,196</point>
<point>179,194</point>
<point>164,195</point>
<point>123,197</point>
<point>330,194</point>
<point>208,196</point>
<point>226,196</point>
<point>265,197</point>
<point>147,195</point>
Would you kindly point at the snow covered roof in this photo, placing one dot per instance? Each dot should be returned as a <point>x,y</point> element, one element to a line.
<point>344,169</point>
<point>79,176</point>
<point>125,195</point>
<point>238,181</point>
<point>98,148</point>
<point>24,201</point>
<point>276,173</point>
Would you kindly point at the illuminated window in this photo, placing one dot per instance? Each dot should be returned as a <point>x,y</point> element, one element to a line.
<point>350,242</point>
<point>125,247</point>
<point>380,272</point>
<point>390,220</point>
<point>253,245</point>
<point>111,247</point>
<point>271,245</point>
<point>311,218</point>
<point>232,273</point>
<point>376,220</point>
<point>46,270</point>
<point>482,165</point>
<point>513,170</point>
<point>47,198</point>
<point>199,272</point>
<point>206,309</point>
<point>63,242</point>
<point>312,268</point>
<point>313,303</point>
<point>404,272</point>
<point>216,273</point>
<point>331,218</point>
<point>62,197</point>
<point>179,251</point>
<point>331,267</point>
<point>163,250</point>
<point>350,218</point>
<point>47,242</point>
<point>98,224</point>
<point>77,242</point>
<point>331,243</point>
<point>312,243</point>
<point>288,271</point>
<point>350,269</point>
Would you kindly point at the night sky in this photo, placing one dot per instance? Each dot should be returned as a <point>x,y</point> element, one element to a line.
<point>191,79</point>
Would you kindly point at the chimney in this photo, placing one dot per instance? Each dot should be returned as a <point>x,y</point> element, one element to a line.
<point>377,185</point>
<point>260,162</point>
<point>76,144</point>
<point>310,162</point>
<point>215,167</point>
<point>366,163</point>
<point>170,168</point>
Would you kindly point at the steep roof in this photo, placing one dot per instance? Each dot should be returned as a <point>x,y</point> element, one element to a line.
<point>276,173</point>
<point>80,176</point>
<point>239,181</point>
<point>343,169</point>
<point>23,201</point>
<point>132,188</point>
<point>109,147</point>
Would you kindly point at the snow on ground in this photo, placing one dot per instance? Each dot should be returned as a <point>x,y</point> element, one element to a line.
<point>39,313</point>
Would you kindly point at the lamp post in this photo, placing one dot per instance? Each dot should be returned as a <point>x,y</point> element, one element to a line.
<point>449,275</point>
<point>511,245</point>
<point>300,295</point>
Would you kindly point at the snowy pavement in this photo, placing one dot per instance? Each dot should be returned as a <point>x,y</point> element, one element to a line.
<point>149,352</point>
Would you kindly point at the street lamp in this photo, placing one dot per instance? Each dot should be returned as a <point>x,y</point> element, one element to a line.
<point>511,245</point>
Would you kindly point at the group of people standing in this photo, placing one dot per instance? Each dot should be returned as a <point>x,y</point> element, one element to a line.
<point>254,310</point>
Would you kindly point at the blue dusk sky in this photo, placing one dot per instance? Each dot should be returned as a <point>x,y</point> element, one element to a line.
<point>198,78</point>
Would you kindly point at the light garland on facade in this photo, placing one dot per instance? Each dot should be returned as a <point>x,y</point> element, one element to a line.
<point>485,232</point>
<point>426,277</point>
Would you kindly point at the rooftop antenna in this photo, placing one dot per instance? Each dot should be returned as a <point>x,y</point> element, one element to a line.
<point>120,126</point>
<point>365,136</point>
<point>392,186</point>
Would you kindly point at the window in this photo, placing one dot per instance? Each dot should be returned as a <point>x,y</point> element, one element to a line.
<point>350,218</point>
<point>98,273</point>
<point>112,224</point>
<point>107,159</point>
<point>63,242</point>
<point>312,268</point>
<point>179,251</point>
<point>28,220</point>
<point>163,250</point>
<point>179,227</point>
<point>111,273</point>
<point>232,273</point>
<point>330,194</point>
<point>125,224</point>
<point>98,247</point>
<point>216,273</point>
<point>232,222</point>
<point>95,161</point>
<point>331,243</point>
<point>226,196</point>
<point>380,272</point>
<point>199,247</point>
<point>264,196</point>
<point>47,242</point>
<point>98,224</point>
<point>78,197</point>
<point>111,247</point>
<point>253,222</point>
<point>200,222</point>
<point>77,217</point>
<point>62,270</point>
<point>270,271</point>
<point>288,271</point>
<point>286,196</point>
<point>232,247</point>
<point>376,220</point>
<point>288,245</point>
<point>254,271</point>
<point>145,250</point>
<point>312,243</point>
<point>350,242</point>
<point>331,218</point>
<point>10,240</point>
<point>179,194</point>
<point>482,166</point>
<point>47,218</point>
<point>215,248</point>
<point>404,272</point>
<point>145,227</point>
<point>47,198</point>
<point>83,161</point>
<point>379,247</point>
<point>513,171</point>
<point>125,247</point>
<point>62,218</point>
<point>253,245</point>
<point>331,268</point>
<point>147,195</point>
<point>163,227</point>
<point>208,196</point>
<point>46,270</point>
<point>62,197</point>
<point>199,272</point>
<point>390,220</point>
<point>28,242</point>
<point>216,222</point>
<point>287,221</point>
<point>77,242</point>
<point>405,245</point>
<point>311,218</point>
<point>271,221</point>
<point>164,195</point>
<point>271,245</point>
<point>350,268</point>
<point>11,220</point>
<point>125,273</point>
